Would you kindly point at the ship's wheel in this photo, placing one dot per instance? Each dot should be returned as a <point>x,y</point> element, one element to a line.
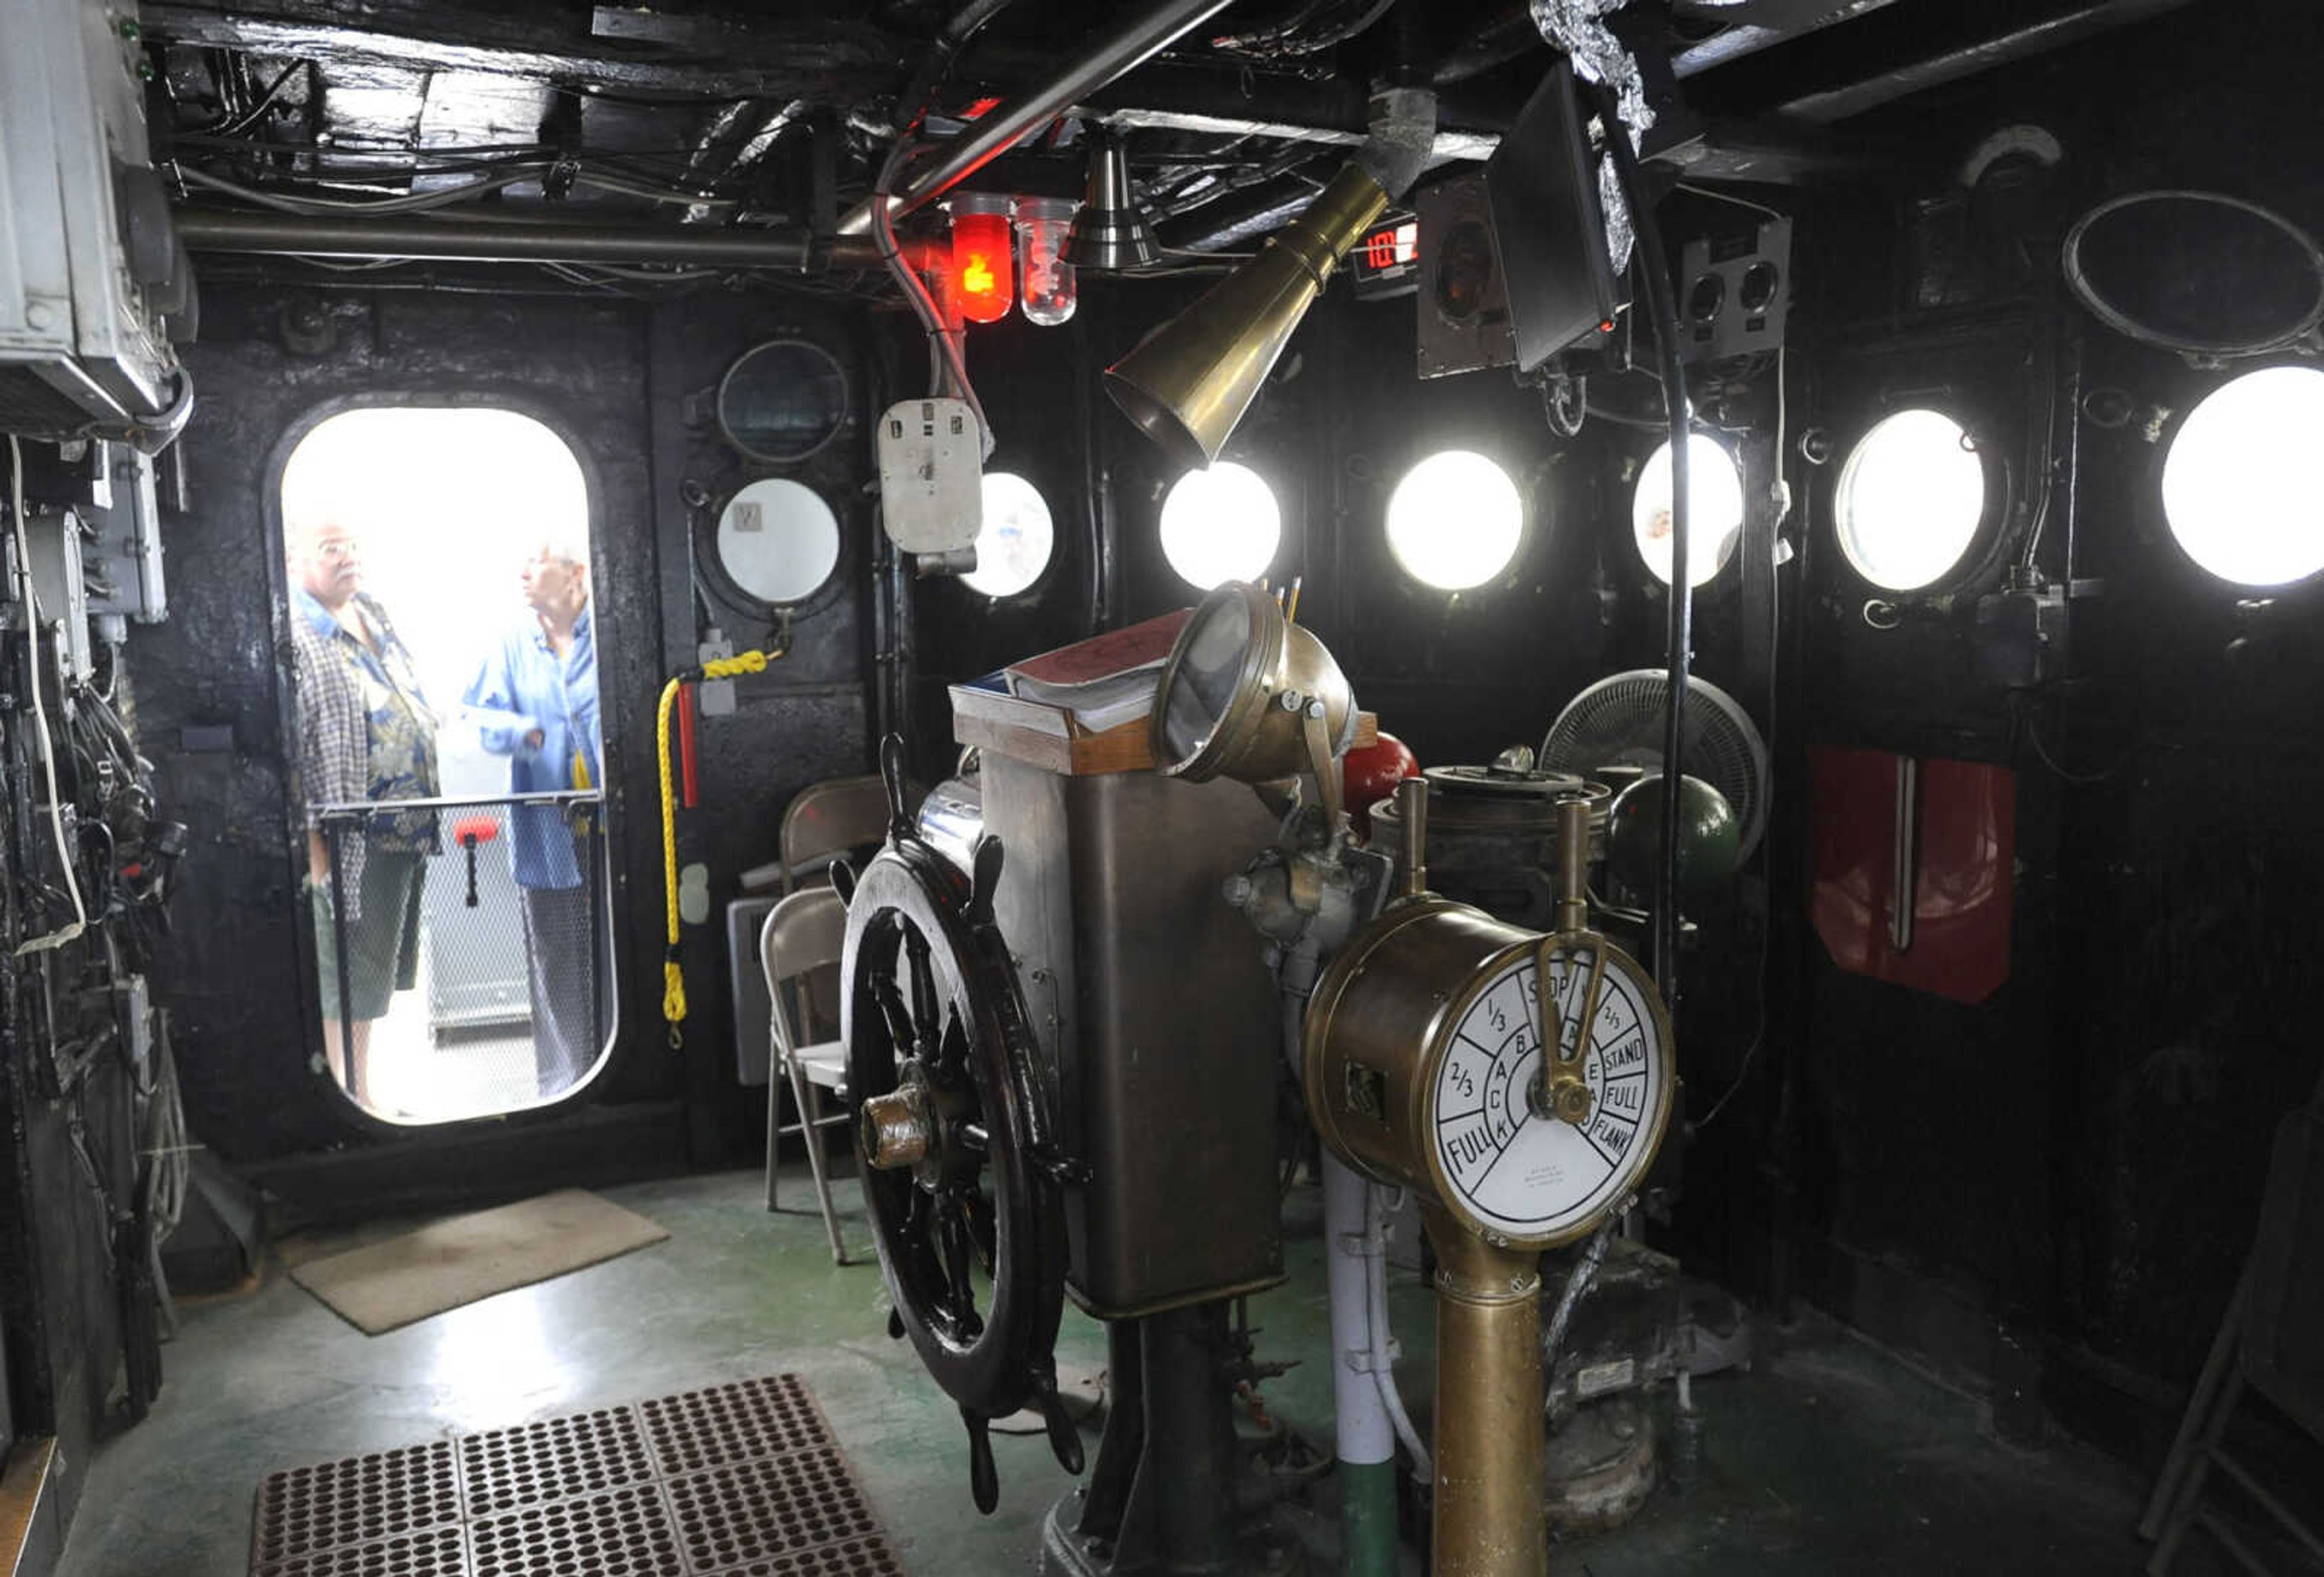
<point>954,1139</point>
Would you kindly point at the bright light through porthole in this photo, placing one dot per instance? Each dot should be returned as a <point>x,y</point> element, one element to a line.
<point>1911,498</point>
<point>1714,514</point>
<point>1220,525</point>
<point>1014,544</point>
<point>2242,485</point>
<point>1454,520</point>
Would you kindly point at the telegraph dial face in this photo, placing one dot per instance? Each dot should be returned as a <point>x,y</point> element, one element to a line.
<point>1509,1167</point>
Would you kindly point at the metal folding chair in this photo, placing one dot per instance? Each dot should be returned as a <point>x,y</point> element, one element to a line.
<point>2272,1342</point>
<point>825,820</point>
<point>804,933</point>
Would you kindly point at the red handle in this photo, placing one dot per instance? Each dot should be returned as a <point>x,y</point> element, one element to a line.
<point>687,792</point>
<point>475,829</point>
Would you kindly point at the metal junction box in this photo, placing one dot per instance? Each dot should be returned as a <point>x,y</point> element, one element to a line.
<point>1158,1018</point>
<point>89,264</point>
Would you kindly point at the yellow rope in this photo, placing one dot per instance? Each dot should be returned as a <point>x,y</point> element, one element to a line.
<point>673,974</point>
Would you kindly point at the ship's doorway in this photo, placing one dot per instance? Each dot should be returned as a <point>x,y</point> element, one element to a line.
<point>450,761</point>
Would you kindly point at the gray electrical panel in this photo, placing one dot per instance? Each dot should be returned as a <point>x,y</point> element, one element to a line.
<point>121,557</point>
<point>91,271</point>
<point>54,536</point>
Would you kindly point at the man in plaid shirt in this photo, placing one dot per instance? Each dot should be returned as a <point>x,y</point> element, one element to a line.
<point>366,734</point>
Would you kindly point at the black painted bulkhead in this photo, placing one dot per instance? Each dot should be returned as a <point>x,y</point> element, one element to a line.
<point>2069,1169</point>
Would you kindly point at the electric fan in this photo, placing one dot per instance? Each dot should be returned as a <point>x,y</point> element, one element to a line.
<point>1618,722</point>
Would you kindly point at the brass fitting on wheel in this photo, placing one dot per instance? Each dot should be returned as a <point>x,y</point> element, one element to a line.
<point>897,1128</point>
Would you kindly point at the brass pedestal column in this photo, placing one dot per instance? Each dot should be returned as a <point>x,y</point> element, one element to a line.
<point>1490,1519</point>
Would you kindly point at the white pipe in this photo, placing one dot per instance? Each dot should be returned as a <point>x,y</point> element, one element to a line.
<point>1368,1412</point>
<point>1383,1347</point>
<point>1360,1406</point>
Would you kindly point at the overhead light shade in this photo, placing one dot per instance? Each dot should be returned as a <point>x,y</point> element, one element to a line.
<point>1249,695</point>
<point>1110,233</point>
<point>1188,383</point>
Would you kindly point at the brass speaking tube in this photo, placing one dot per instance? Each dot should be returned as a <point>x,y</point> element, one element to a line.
<point>1188,383</point>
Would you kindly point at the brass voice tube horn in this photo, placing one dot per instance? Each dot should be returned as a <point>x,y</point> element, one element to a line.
<point>1187,384</point>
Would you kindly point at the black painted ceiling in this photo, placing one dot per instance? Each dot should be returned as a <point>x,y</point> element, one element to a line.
<point>737,114</point>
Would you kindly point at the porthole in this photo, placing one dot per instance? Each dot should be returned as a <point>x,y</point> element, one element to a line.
<point>1912,495</point>
<point>1014,544</point>
<point>782,402</point>
<point>2243,482</point>
<point>1715,509</point>
<point>1221,524</point>
<point>778,541</point>
<point>1455,521</point>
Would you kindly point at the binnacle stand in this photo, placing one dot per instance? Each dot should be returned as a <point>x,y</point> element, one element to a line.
<point>1170,1495</point>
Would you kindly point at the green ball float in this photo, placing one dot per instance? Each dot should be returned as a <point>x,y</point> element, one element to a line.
<point>1711,837</point>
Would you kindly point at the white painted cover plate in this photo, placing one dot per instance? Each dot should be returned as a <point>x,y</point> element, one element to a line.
<point>777,540</point>
<point>931,475</point>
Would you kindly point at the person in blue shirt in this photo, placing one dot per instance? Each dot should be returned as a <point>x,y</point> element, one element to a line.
<point>535,701</point>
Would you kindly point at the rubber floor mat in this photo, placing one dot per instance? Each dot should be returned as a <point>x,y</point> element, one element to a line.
<point>732,1480</point>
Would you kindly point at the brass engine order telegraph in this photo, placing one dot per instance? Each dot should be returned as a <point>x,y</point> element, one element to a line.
<point>1520,1083</point>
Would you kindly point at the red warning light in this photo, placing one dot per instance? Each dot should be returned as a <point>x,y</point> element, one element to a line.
<point>983,270</point>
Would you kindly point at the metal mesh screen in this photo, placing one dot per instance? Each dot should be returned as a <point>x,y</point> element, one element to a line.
<point>462,951</point>
<point>732,1480</point>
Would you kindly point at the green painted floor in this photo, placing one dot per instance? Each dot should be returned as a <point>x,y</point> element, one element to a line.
<point>1826,1458</point>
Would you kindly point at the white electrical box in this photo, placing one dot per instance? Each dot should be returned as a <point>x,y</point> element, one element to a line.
<point>931,475</point>
<point>92,273</point>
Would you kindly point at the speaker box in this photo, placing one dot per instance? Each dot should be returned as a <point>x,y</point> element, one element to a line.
<point>1734,290</point>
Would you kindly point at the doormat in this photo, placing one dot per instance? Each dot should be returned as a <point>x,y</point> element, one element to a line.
<point>469,1256</point>
<point>735,1481</point>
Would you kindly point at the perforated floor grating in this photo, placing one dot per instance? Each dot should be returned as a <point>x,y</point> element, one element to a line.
<point>732,1480</point>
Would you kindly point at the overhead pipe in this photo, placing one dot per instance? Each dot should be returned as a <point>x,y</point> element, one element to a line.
<point>207,229</point>
<point>1002,128</point>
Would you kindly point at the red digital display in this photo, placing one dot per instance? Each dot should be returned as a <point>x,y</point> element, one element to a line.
<point>1392,244</point>
<point>1387,257</point>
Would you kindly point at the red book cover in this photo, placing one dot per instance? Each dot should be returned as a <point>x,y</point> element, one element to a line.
<point>1112,655</point>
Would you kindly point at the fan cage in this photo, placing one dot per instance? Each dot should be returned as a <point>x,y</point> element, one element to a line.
<point>1618,722</point>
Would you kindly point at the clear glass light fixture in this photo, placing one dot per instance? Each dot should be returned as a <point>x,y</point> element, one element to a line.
<point>1014,544</point>
<point>1048,288</point>
<point>1221,524</point>
<point>1455,521</point>
<point>2243,483</point>
<point>1911,497</point>
<point>1714,509</point>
